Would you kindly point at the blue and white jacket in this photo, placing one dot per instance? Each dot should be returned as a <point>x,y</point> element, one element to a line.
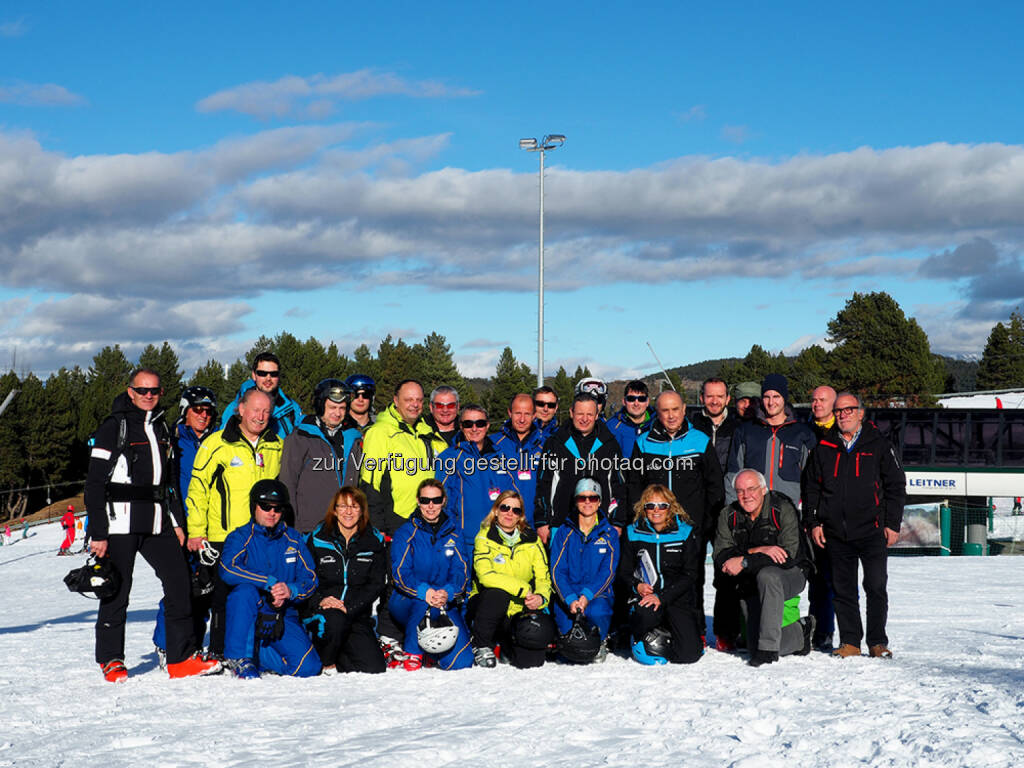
<point>675,554</point>
<point>471,490</point>
<point>262,557</point>
<point>626,432</point>
<point>583,564</point>
<point>423,558</point>
<point>523,460</point>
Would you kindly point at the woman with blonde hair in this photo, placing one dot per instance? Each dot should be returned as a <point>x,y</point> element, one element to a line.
<point>512,588</point>
<point>351,568</point>
<point>661,561</point>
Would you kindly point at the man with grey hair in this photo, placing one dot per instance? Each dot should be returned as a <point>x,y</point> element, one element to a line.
<point>761,551</point>
<point>444,411</point>
<point>853,506</point>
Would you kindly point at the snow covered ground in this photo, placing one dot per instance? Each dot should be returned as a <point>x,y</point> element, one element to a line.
<point>953,696</point>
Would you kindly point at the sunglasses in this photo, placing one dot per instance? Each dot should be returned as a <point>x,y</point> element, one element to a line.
<point>445,406</point>
<point>269,507</point>
<point>268,374</point>
<point>360,395</point>
<point>203,410</point>
<point>477,423</point>
<point>590,498</point>
<point>636,398</point>
<point>545,404</point>
<point>153,391</point>
<point>428,500</point>
<point>510,508</point>
<point>662,505</point>
<point>846,411</point>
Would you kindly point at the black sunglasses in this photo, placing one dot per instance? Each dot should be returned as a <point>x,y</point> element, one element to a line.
<point>147,390</point>
<point>205,410</point>
<point>510,508</point>
<point>545,404</point>
<point>846,411</point>
<point>266,374</point>
<point>636,398</point>
<point>361,395</point>
<point>426,500</point>
<point>591,497</point>
<point>266,507</point>
<point>467,423</point>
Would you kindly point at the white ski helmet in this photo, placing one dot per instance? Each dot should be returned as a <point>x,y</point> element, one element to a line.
<point>595,387</point>
<point>436,634</point>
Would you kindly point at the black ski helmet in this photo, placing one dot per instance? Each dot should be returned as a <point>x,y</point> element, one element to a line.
<point>657,642</point>
<point>334,390</point>
<point>533,631</point>
<point>97,577</point>
<point>582,642</point>
<point>360,382</point>
<point>198,395</point>
<point>271,492</point>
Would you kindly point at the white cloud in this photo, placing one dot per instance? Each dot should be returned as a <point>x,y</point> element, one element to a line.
<point>300,208</point>
<point>318,96</point>
<point>39,95</point>
<point>696,113</point>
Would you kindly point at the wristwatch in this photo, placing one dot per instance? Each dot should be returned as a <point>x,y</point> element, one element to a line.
<point>743,563</point>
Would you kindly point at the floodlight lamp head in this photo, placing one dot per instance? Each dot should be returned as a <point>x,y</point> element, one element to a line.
<point>554,140</point>
<point>527,143</point>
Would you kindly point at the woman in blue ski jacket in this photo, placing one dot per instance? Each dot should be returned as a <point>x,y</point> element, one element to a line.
<point>584,556</point>
<point>429,573</point>
<point>351,567</point>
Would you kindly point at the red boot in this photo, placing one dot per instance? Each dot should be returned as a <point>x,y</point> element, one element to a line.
<point>192,666</point>
<point>114,671</point>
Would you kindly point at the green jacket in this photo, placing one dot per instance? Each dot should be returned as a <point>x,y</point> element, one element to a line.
<point>225,470</point>
<point>396,458</point>
<point>518,570</point>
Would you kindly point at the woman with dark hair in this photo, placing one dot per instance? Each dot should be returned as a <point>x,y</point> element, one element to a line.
<point>512,588</point>
<point>351,569</point>
<point>430,575</point>
<point>584,554</point>
<point>661,560</point>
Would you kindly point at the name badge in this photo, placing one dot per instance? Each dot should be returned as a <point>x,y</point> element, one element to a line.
<point>493,493</point>
<point>259,459</point>
<point>525,474</point>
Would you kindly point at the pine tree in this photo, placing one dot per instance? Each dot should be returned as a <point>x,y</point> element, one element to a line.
<point>237,375</point>
<point>510,379</point>
<point>165,362</point>
<point>107,378</point>
<point>807,372</point>
<point>880,353</point>
<point>439,367</point>
<point>211,376</point>
<point>1002,362</point>
<point>12,433</point>
<point>563,387</point>
<point>397,362</point>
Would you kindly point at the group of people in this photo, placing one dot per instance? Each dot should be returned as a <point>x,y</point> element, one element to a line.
<point>347,541</point>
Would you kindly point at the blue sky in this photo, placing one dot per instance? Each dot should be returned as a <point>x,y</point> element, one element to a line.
<point>206,173</point>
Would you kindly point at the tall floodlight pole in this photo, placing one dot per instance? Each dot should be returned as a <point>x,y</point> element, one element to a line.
<point>551,141</point>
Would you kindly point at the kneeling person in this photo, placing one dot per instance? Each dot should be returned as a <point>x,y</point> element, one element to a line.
<point>268,565</point>
<point>584,555</point>
<point>760,547</point>
<point>430,575</point>
<point>662,558</point>
<point>351,568</point>
<point>513,587</point>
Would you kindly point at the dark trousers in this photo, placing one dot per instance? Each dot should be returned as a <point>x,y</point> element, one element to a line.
<point>344,641</point>
<point>727,607</point>
<point>820,595</point>
<point>870,552</point>
<point>487,614</point>
<point>163,554</point>
<point>680,619</point>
